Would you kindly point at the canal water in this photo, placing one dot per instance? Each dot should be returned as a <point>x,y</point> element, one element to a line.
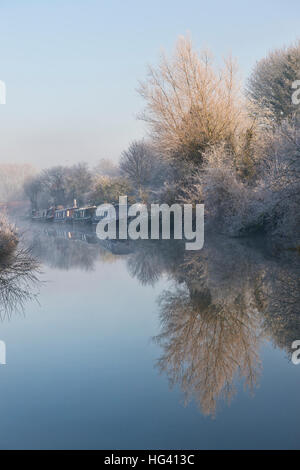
<point>129,345</point>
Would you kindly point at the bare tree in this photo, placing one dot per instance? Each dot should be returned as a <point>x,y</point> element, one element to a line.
<point>142,165</point>
<point>32,188</point>
<point>191,106</point>
<point>54,181</point>
<point>78,183</point>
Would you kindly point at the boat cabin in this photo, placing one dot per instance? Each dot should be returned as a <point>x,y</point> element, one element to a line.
<point>39,215</point>
<point>84,214</point>
<point>64,215</point>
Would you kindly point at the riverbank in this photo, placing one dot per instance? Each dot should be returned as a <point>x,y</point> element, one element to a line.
<point>8,237</point>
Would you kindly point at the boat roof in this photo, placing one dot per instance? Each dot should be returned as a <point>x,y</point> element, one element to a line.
<point>85,207</point>
<point>65,209</point>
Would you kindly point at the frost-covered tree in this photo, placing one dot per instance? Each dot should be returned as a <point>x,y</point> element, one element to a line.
<point>191,105</point>
<point>33,187</point>
<point>109,190</point>
<point>78,183</point>
<point>106,167</point>
<point>142,165</point>
<point>280,178</point>
<point>54,181</point>
<point>270,84</point>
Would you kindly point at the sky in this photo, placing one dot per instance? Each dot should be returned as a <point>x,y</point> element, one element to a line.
<point>72,67</point>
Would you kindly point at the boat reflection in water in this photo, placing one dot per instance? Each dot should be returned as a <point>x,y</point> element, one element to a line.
<point>225,301</point>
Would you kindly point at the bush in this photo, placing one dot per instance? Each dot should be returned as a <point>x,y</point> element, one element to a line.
<point>8,237</point>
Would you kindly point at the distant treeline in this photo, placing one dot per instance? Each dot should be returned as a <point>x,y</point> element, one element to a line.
<point>139,173</point>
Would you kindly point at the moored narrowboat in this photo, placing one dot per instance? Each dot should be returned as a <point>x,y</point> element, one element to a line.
<point>64,215</point>
<point>84,214</point>
<point>105,213</point>
<point>39,215</point>
<point>50,214</point>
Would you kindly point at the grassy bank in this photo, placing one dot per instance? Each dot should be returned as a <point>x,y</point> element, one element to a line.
<point>8,237</point>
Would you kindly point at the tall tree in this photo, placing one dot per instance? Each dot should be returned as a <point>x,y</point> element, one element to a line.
<point>190,105</point>
<point>78,182</point>
<point>54,181</point>
<point>142,165</point>
<point>270,85</point>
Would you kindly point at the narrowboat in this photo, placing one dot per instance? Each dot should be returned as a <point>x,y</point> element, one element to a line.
<point>50,214</point>
<point>39,215</point>
<point>64,215</point>
<point>96,218</point>
<point>112,212</point>
<point>84,214</point>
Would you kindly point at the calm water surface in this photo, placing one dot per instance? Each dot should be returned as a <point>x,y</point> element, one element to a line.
<point>145,345</point>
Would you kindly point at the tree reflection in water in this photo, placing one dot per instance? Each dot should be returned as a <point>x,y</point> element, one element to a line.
<point>224,302</point>
<point>206,345</point>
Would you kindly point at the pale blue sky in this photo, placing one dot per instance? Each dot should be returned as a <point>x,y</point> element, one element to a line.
<point>71,67</point>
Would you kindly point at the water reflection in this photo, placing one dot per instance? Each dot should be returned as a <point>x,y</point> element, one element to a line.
<point>225,300</point>
<point>66,249</point>
<point>18,280</point>
<point>233,296</point>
